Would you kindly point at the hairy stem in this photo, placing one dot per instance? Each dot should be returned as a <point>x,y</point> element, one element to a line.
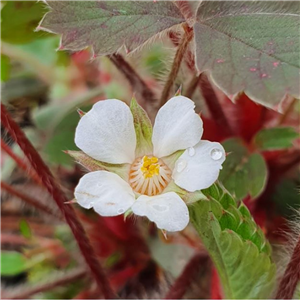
<point>214,106</point>
<point>21,164</point>
<point>28,199</point>
<point>291,277</point>
<point>64,279</point>
<point>140,88</point>
<point>176,64</point>
<point>190,90</point>
<point>53,188</point>
<point>184,281</point>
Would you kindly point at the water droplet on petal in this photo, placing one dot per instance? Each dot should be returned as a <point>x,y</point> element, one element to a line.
<point>216,154</point>
<point>252,69</point>
<point>159,207</point>
<point>191,151</point>
<point>180,166</point>
<point>120,211</point>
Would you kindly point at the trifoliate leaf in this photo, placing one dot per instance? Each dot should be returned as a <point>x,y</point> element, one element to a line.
<point>275,138</point>
<point>250,46</point>
<point>243,173</point>
<point>108,25</point>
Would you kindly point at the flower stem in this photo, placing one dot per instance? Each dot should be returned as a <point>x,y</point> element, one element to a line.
<point>287,112</point>
<point>53,188</point>
<point>214,106</point>
<point>188,35</point>
<point>143,92</point>
<point>291,277</point>
<point>184,281</point>
<point>190,90</point>
<point>64,279</point>
<point>28,199</point>
<point>21,164</point>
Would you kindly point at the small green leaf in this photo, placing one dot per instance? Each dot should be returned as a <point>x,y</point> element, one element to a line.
<point>275,138</point>
<point>237,246</point>
<point>12,263</point>
<point>19,20</point>
<point>5,67</point>
<point>143,129</point>
<point>25,229</point>
<point>243,173</point>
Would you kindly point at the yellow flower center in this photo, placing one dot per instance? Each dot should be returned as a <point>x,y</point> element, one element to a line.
<point>150,166</point>
<point>149,175</point>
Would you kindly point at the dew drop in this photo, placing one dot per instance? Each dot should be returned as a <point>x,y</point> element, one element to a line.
<point>252,69</point>
<point>191,151</point>
<point>181,166</point>
<point>159,207</point>
<point>216,154</point>
<point>120,211</point>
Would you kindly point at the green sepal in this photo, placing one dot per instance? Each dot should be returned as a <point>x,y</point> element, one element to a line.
<point>93,165</point>
<point>143,129</point>
<point>236,244</point>
<point>128,213</point>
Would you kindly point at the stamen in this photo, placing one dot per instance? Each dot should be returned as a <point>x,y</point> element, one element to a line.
<point>149,175</point>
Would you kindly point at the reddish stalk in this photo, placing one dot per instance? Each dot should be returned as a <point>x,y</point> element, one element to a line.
<point>64,279</point>
<point>33,175</point>
<point>190,90</point>
<point>176,64</point>
<point>53,188</point>
<point>214,106</point>
<point>140,88</point>
<point>28,199</point>
<point>184,281</point>
<point>287,112</point>
<point>291,277</point>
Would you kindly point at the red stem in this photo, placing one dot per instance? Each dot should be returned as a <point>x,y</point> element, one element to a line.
<point>214,106</point>
<point>183,282</point>
<point>291,277</point>
<point>31,201</point>
<point>53,188</point>
<point>20,163</point>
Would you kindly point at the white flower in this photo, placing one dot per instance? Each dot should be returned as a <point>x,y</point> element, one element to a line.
<point>150,164</point>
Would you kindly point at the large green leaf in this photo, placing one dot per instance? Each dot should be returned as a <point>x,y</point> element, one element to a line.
<point>250,46</point>
<point>275,138</point>
<point>19,20</point>
<point>108,25</point>
<point>236,245</point>
<point>243,173</point>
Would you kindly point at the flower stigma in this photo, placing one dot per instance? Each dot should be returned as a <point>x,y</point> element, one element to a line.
<point>149,175</point>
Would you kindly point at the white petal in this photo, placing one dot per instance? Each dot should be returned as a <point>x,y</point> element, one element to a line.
<point>176,127</point>
<point>198,168</point>
<point>168,211</point>
<point>107,133</point>
<point>106,192</point>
